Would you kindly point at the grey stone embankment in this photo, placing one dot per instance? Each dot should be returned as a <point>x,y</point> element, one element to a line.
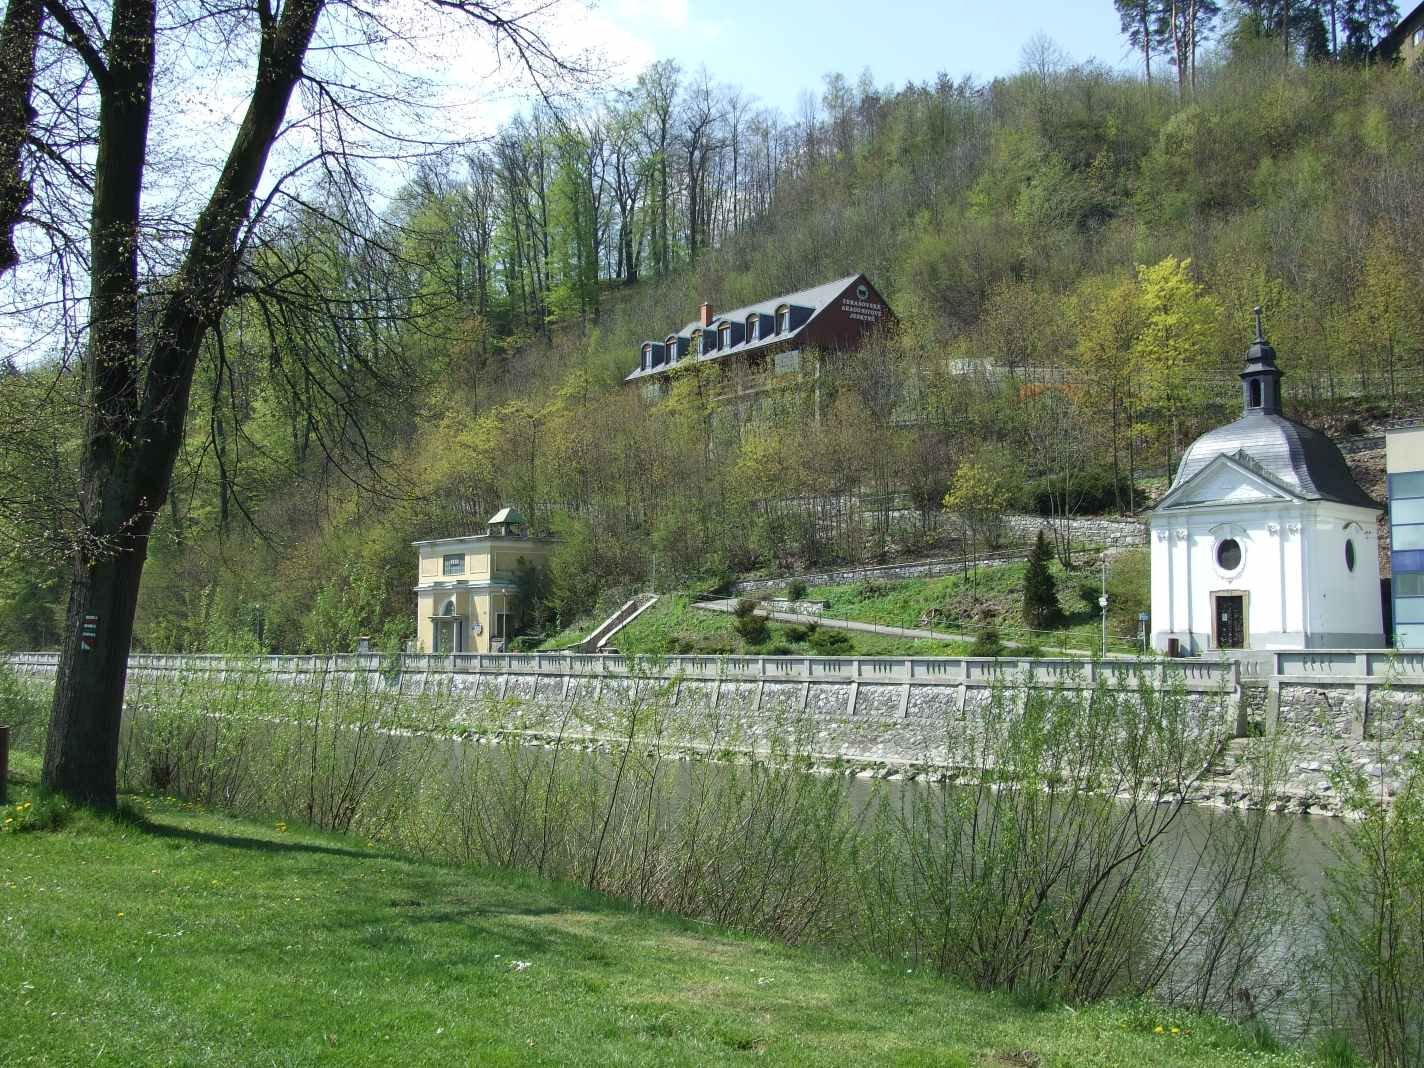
<point>906,715</point>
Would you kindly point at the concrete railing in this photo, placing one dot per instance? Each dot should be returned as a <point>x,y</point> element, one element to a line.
<point>1191,675</point>
<point>1331,665</point>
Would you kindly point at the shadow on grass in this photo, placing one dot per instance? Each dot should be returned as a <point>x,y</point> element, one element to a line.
<point>259,845</point>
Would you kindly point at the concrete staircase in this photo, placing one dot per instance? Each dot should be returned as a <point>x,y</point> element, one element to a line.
<point>616,622</point>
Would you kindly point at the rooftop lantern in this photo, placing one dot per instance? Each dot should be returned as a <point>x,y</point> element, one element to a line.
<point>507,523</point>
<point>1261,380</point>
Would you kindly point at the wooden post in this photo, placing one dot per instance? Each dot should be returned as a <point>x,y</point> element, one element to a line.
<point>4,763</point>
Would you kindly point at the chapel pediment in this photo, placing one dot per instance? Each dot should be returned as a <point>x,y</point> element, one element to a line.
<point>1228,480</point>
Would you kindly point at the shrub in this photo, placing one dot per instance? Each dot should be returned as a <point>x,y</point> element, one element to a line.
<point>987,643</point>
<point>750,627</point>
<point>869,589</point>
<point>795,590</point>
<point>1374,919</point>
<point>797,632</point>
<point>780,649</point>
<point>828,642</point>
<point>1093,491</point>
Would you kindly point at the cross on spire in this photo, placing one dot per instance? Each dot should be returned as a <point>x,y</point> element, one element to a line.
<point>1260,330</point>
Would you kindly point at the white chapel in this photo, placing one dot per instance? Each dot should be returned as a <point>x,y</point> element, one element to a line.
<point>1264,540</point>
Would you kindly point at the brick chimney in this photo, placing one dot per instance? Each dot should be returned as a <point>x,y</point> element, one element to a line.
<point>706,315</point>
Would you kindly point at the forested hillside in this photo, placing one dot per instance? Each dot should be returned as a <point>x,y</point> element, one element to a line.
<point>1073,254</point>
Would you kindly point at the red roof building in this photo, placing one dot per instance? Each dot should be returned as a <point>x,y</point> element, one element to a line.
<point>753,345</point>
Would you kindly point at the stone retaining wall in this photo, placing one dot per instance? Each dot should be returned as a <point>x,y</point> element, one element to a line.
<point>895,714</point>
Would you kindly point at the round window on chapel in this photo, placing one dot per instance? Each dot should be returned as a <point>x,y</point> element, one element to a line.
<point>1349,555</point>
<point>1228,554</point>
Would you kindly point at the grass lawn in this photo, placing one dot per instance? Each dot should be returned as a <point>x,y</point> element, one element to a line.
<point>191,938</point>
<point>947,599</point>
<point>673,624</point>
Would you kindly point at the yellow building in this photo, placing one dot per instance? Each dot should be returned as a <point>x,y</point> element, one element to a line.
<point>467,599</point>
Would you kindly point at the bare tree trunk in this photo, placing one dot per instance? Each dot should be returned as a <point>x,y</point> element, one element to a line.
<point>133,435</point>
<point>19,39</point>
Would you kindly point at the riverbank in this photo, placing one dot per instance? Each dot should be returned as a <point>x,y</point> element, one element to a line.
<point>186,936</point>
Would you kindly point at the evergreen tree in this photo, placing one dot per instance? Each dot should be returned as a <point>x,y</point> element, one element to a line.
<point>1040,596</point>
<point>1365,23</point>
<point>1140,20</point>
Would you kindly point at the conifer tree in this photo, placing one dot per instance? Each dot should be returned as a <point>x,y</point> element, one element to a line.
<point>1040,597</point>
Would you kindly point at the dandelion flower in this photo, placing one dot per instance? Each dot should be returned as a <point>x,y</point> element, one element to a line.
<point>1159,1030</point>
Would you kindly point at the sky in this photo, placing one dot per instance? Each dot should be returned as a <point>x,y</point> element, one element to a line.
<point>774,50</point>
<point>777,49</point>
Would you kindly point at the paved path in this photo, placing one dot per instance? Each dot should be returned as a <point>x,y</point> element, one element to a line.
<point>729,605</point>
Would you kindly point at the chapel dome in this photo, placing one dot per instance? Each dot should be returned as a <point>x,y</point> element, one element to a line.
<point>1303,459</point>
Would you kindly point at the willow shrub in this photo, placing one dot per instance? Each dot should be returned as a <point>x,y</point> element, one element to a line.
<point>1374,916</point>
<point>1062,861</point>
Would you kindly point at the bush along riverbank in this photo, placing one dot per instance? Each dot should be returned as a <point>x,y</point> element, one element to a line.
<point>1064,874</point>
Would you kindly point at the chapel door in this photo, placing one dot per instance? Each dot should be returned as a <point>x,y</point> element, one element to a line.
<point>1230,622</point>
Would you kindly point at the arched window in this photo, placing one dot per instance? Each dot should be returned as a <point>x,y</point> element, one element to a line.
<point>671,347</point>
<point>647,356</point>
<point>697,348</point>
<point>783,318</point>
<point>449,609</point>
<point>1255,393</point>
<point>724,336</point>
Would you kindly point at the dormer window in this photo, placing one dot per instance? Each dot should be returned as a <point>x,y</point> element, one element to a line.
<point>724,336</point>
<point>671,347</point>
<point>751,334</point>
<point>647,356</point>
<point>697,347</point>
<point>783,318</point>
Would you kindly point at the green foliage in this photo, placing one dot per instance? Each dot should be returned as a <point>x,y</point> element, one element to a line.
<point>983,489</point>
<point>761,844</point>
<point>1072,255</point>
<point>1040,591</point>
<point>1129,589</point>
<point>1096,489</point>
<point>1374,919</point>
<point>24,708</point>
<point>352,605</point>
<point>988,643</point>
<point>796,590</point>
<point>825,641</point>
<point>750,627</point>
<point>552,964</point>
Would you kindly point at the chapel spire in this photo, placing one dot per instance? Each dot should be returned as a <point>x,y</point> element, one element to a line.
<point>1261,380</point>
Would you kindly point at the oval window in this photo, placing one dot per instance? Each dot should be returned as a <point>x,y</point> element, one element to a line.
<point>1228,554</point>
<point>1349,555</point>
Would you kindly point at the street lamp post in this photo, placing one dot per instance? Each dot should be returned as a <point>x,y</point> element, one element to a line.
<point>1103,604</point>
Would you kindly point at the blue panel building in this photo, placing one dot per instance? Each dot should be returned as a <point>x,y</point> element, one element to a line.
<point>1404,461</point>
